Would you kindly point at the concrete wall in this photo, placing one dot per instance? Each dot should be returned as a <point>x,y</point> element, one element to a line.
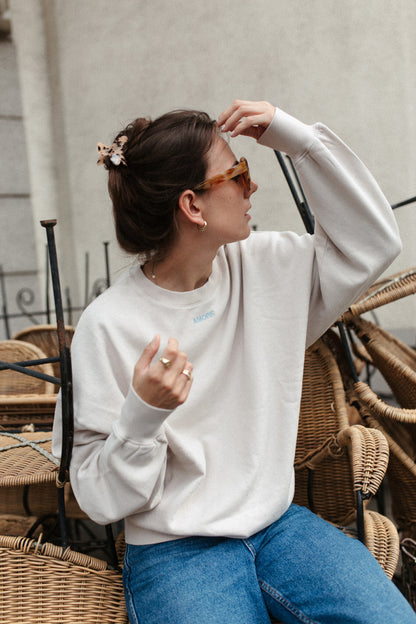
<point>18,262</point>
<point>88,67</point>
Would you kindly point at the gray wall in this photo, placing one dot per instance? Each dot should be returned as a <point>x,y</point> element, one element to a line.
<point>18,262</point>
<point>89,66</point>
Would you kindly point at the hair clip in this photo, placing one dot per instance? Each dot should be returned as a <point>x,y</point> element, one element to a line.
<point>115,152</point>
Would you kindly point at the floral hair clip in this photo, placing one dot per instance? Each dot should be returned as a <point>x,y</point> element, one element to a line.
<point>115,152</point>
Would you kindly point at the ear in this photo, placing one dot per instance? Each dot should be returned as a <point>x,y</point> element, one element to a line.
<point>190,206</point>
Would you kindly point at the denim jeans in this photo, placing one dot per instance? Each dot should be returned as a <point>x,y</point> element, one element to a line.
<point>299,569</point>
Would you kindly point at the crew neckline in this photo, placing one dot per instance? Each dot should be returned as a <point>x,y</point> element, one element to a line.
<point>174,298</point>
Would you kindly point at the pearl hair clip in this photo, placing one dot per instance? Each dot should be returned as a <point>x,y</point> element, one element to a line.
<point>115,152</point>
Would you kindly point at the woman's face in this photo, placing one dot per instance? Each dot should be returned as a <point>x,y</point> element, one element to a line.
<point>225,206</point>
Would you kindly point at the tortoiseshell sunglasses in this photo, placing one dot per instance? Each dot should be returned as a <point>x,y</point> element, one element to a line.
<point>241,169</point>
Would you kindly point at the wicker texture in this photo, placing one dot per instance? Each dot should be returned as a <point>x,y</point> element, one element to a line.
<point>36,500</point>
<point>383,409</point>
<point>395,360</point>
<point>22,465</point>
<point>382,540</point>
<point>41,585</point>
<point>12,382</point>
<point>385,291</point>
<point>11,524</point>
<point>28,477</point>
<point>20,409</point>
<point>397,363</point>
<point>46,338</point>
<point>397,424</point>
<point>401,471</point>
<point>345,459</point>
<point>26,458</point>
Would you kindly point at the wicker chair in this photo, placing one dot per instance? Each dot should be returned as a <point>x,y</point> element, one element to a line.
<point>397,364</point>
<point>398,426</point>
<point>28,470</point>
<point>46,338</point>
<point>336,463</point>
<point>395,360</point>
<point>16,411</point>
<point>25,399</point>
<point>28,474</point>
<point>385,291</point>
<point>401,476</point>
<point>14,383</point>
<point>41,583</point>
<point>401,472</point>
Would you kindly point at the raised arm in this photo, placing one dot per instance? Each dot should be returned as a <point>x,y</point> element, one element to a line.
<point>356,236</point>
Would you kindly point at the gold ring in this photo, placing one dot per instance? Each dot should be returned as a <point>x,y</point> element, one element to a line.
<point>187,373</point>
<point>166,363</point>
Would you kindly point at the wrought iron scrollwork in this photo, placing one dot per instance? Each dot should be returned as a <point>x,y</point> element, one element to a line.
<point>26,297</point>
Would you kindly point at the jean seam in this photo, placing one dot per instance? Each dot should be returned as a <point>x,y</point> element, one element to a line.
<point>273,593</point>
<point>250,547</point>
<point>128,592</point>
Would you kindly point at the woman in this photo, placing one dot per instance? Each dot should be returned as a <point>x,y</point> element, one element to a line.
<point>188,374</point>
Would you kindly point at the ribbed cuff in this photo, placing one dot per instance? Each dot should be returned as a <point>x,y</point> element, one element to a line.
<point>140,421</point>
<point>287,134</point>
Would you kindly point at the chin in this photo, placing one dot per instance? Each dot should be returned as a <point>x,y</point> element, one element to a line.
<point>243,235</point>
<point>247,235</point>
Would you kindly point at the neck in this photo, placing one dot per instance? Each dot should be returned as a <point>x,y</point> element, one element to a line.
<point>180,272</point>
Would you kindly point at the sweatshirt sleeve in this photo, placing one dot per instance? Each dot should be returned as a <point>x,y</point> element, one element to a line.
<point>119,453</point>
<point>356,236</point>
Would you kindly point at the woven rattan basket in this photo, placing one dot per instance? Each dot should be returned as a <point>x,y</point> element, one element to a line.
<point>40,584</point>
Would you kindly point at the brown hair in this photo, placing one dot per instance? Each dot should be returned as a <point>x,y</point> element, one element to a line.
<point>163,158</point>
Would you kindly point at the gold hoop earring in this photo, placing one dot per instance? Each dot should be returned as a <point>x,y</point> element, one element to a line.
<point>202,228</point>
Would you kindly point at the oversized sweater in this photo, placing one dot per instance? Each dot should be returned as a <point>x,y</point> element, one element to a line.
<point>221,464</point>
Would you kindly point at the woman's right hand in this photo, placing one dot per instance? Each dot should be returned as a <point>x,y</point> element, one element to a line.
<point>246,118</point>
<point>163,385</point>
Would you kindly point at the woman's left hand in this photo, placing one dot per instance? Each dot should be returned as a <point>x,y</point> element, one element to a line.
<point>246,118</point>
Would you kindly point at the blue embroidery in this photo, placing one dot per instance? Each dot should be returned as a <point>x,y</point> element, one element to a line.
<point>204,317</point>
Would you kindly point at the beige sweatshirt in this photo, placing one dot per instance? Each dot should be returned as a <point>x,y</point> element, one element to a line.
<point>222,463</point>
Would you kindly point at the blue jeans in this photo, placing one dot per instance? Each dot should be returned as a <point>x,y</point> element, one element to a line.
<point>299,569</point>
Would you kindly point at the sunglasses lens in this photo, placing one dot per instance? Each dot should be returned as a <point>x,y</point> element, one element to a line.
<point>246,177</point>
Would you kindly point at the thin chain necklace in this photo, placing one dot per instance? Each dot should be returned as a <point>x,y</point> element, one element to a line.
<point>153,274</point>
